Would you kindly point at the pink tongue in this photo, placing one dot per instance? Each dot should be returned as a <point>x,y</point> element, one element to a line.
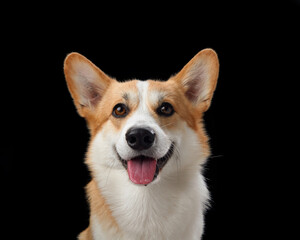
<point>141,171</point>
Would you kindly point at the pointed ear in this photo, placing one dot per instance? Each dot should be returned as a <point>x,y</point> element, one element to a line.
<point>199,77</point>
<point>86,82</point>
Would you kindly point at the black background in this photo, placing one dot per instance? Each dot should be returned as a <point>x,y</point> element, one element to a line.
<point>42,171</point>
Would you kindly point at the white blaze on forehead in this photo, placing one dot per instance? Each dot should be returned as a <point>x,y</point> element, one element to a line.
<point>142,87</point>
<point>141,116</point>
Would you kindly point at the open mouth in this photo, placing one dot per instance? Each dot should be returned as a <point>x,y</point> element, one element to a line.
<point>144,169</point>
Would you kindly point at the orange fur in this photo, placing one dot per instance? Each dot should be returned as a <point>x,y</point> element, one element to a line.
<point>86,234</point>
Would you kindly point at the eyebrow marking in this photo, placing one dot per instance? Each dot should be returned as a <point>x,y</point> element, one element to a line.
<point>126,97</point>
<point>161,97</point>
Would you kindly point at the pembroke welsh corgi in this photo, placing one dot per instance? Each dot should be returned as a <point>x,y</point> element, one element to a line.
<point>147,149</point>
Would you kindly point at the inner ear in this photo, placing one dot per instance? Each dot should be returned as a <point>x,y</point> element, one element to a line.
<point>194,85</point>
<point>91,94</point>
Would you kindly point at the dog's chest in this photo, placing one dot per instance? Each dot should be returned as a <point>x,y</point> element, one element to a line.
<point>156,212</point>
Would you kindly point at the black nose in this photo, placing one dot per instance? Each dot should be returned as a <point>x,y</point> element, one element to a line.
<point>140,138</point>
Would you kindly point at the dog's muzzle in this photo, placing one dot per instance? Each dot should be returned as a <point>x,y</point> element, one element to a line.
<point>143,169</point>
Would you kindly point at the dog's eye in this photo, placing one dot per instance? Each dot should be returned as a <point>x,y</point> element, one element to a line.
<point>120,110</point>
<point>165,109</point>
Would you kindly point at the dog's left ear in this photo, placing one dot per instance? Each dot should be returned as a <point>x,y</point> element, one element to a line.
<point>199,78</point>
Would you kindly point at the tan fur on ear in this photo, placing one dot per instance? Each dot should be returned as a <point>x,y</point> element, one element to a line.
<point>199,78</point>
<point>86,82</point>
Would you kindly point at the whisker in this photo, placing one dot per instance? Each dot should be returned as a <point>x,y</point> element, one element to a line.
<point>177,159</point>
<point>168,124</point>
<point>216,156</point>
<point>109,171</point>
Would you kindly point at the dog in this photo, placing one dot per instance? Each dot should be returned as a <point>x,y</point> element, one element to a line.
<point>147,149</point>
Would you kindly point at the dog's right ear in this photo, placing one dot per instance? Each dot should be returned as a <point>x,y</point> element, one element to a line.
<point>86,82</point>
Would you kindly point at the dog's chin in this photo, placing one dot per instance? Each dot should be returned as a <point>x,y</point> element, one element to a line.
<point>143,170</point>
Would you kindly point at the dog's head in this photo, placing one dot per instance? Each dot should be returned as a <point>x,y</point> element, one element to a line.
<point>150,128</point>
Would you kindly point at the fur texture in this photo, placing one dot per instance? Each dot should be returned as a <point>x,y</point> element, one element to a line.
<point>173,204</point>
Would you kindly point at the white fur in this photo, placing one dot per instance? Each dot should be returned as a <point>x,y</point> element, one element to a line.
<point>96,228</point>
<point>169,208</point>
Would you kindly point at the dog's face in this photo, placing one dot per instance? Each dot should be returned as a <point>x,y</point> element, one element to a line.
<point>146,129</point>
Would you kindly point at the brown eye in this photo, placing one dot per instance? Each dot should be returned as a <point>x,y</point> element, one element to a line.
<point>120,110</point>
<point>165,109</point>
